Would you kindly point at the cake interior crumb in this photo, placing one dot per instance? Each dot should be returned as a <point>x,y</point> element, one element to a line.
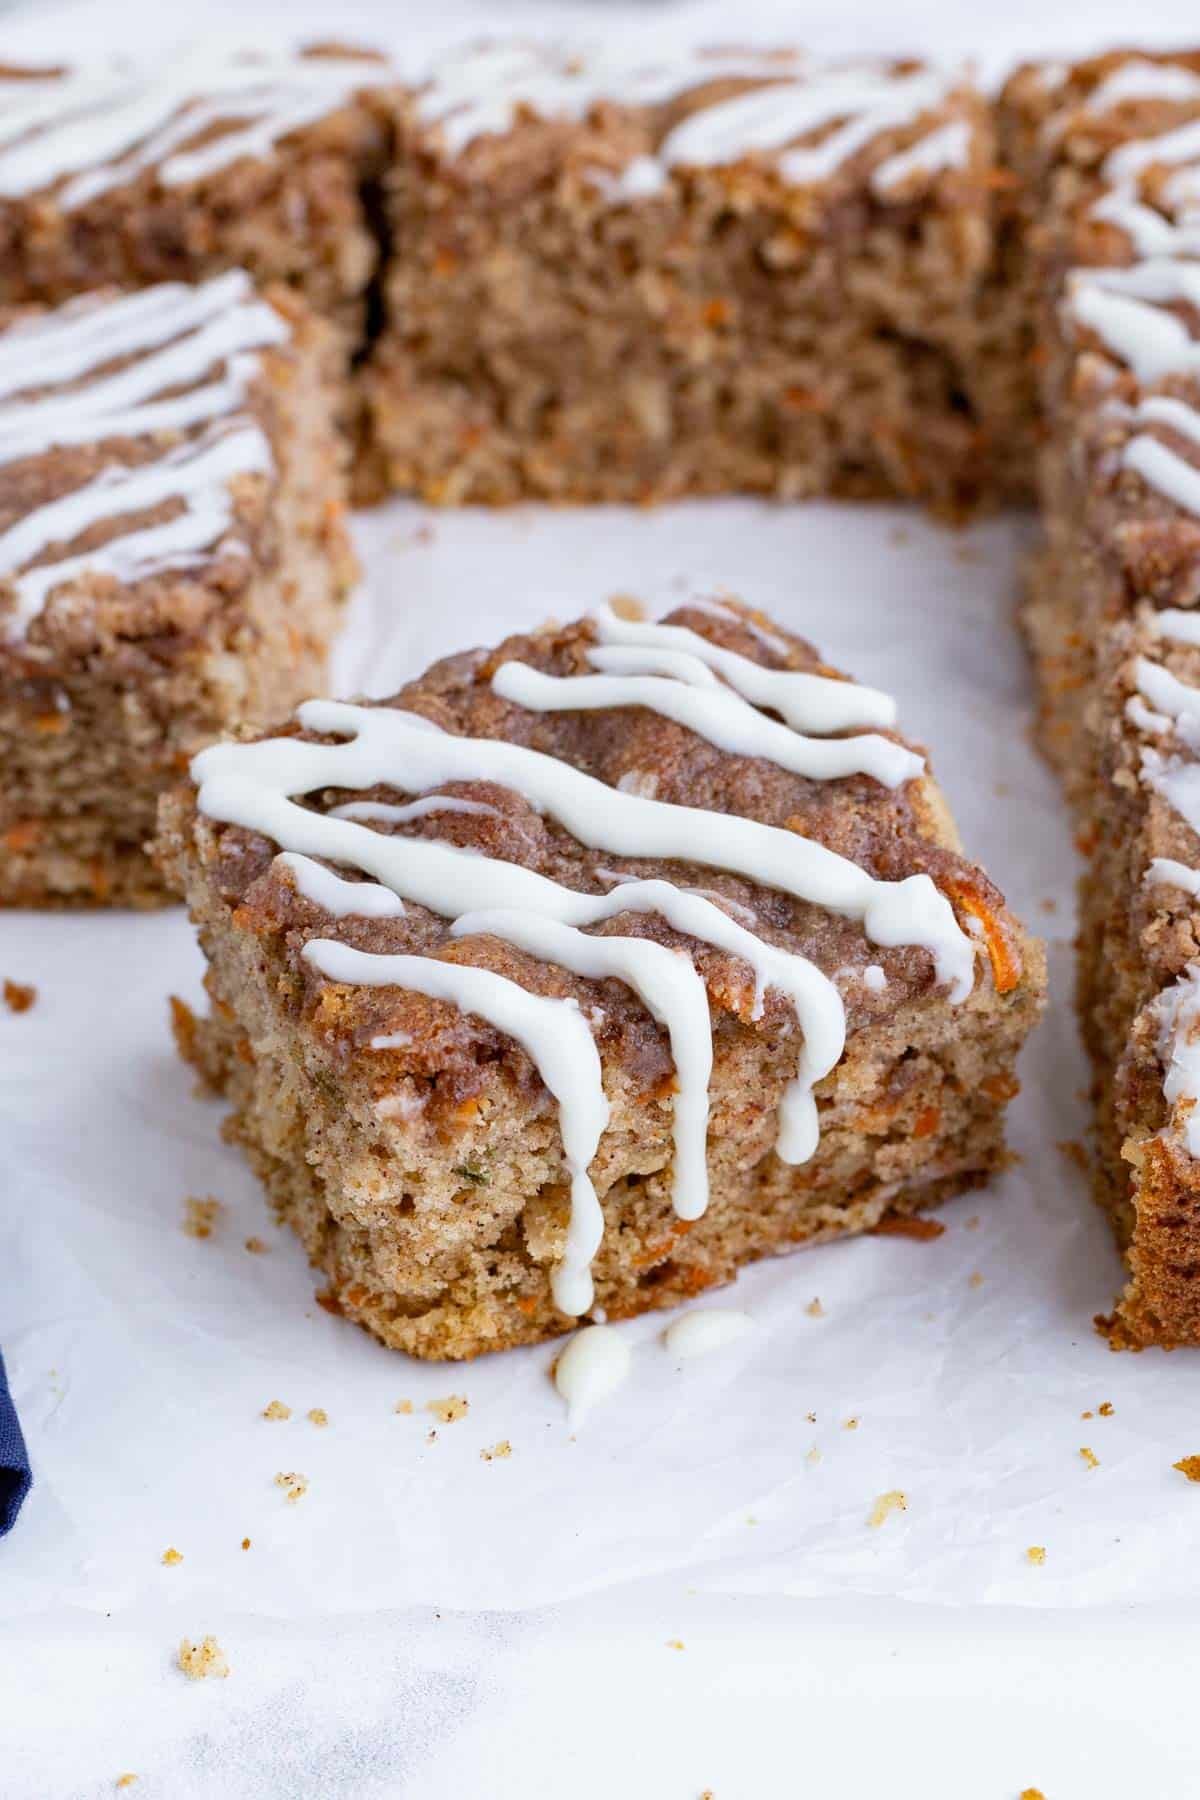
<point>893,1501</point>
<point>449,1408</point>
<point>200,1215</point>
<point>203,1661</point>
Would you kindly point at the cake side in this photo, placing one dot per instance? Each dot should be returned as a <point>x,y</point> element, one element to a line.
<point>173,560</point>
<point>737,271</point>
<point>440,1159</point>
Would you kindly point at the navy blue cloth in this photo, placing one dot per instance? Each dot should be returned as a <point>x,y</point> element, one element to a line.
<point>14,1459</point>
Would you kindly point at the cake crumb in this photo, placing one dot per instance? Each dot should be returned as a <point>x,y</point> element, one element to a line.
<point>1036,1553</point>
<point>813,1457</point>
<point>973,1222</point>
<point>19,996</point>
<point>317,1415</point>
<point>811,1417</point>
<point>975,1279</point>
<point>431,1437</point>
<point>1189,1466</point>
<point>496,1452</point>
<point>908,1225</point>
<point>675,1644</point>
<point>894,1501</point>
<point>850,1424</point>
<point>814,1309</point>
<point>172,1557</point>
<point>245,1543</point>
<point>277,1410</point>
<point>1032,1794</point>
<point>200,1215</point>
<point>205,1661</point>
<point>295,1486</point>
<point>126,1781</point>
<point>1089,1457</point>
<point>404,1406</point>
<point>1105,1409</point>
<point>1087,1415</point>
<point>449,1408</point>
<point>255,1246</point>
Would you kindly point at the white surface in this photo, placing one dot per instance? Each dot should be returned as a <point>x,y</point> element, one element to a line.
<point>424,1623</point>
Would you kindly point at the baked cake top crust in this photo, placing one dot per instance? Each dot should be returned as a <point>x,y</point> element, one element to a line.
<point>132,447</point>
<point>897,126</point>
<point>78,134</point>
<point>480,858</point>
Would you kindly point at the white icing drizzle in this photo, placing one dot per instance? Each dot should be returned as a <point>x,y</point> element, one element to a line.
<point>594,1365</point>
<point>97,130</point>
<point>196,473</point>
<point>1176,625</point>
<point>721,717</point>
<point>1164,871</point>
<point>735,615</point>
<point>1165,470</point>
<point>193,352</point>
<point>703,1330</point>
<point>381,812</point>
<point>1178,1015</point>
<point>344,899</point>
<point>671,991</point>
<point>1130,161</point>
<point>949,147</point>
<point>1126,310</point>
<point>481,89</point>
<point>816,703</point>
<point>252,785</point>
<point>554,1034</point>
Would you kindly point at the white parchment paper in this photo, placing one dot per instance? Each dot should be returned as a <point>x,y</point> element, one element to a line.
<point>141,1359</point>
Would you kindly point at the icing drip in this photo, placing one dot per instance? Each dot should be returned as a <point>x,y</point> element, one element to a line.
<point>807,702</point>
<point>196,473</point>
<point>947,148</point>
<point>1177,626</point>
<point>562,1048</point>
<point>1126,310</point>
<point>1164,871</point>
<point>252,785</point>
<point>713,713</point>
<point>482,89</point>
<point>95,131</point>
<point>696,1333</point>
<point>673,994</point>
<point>594,1365</point>
<point>1178,1014</point>
<point>176,335</point>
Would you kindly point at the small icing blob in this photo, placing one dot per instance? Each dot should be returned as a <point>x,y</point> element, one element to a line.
<point>696,1333</point>
<point>594,1365</point>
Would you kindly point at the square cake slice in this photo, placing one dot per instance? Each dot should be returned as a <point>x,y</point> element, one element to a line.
<point>173,559</point>
<point>588,968</point>
<point>623,277</point>
<point>255,156</point>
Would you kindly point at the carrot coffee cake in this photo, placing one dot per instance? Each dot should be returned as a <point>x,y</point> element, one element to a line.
<point>222,156</point>
<point>1114,146</point>
<point>173,559</point>
<point>630,278</point>
<point>588,968</point>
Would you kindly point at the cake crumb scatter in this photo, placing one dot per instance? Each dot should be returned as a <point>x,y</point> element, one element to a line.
<point>893,1501</point>
<point>172,1557</point>
<point>449,1408</point>
<point>1105,1409</point>
<point>1036,1553</point>
<point>294,1486</point>
<point>1089,1457</point>
<point>317,1415</point>
<point>19,996</point>
<point>277,1410</point>
<point>205,1661</point>
<point>201,1215</point>
<point>1189,1466</point>
<point>496,1452</point>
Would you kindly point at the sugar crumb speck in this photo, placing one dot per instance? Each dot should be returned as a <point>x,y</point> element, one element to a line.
<point>203,1661</point>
